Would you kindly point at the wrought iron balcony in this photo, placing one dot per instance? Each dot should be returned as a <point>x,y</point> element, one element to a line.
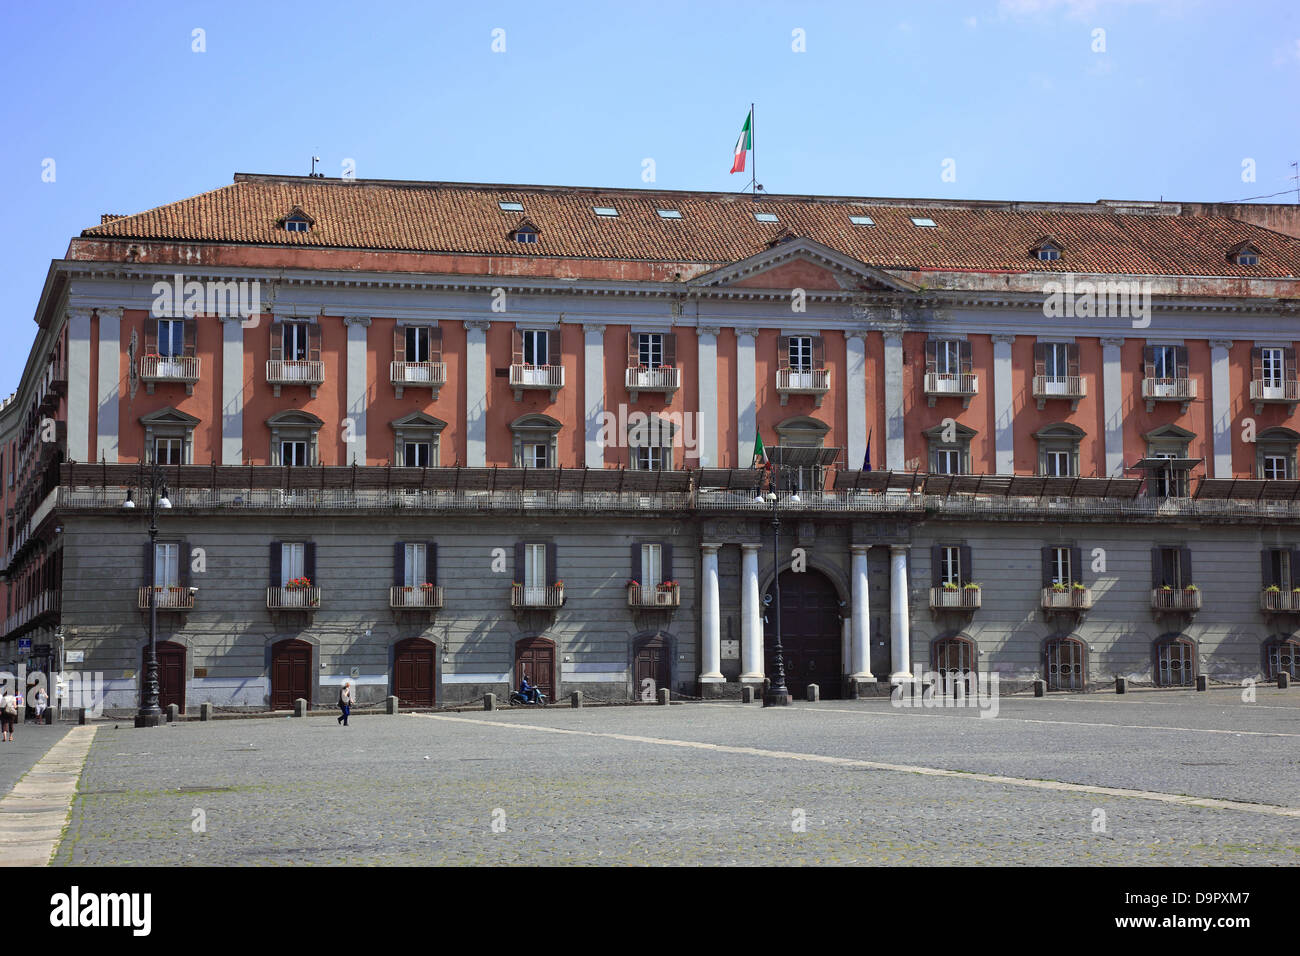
<point>1068,599</point>
<point>1279,600</point>
<point>1181,390</point>
<point>1070,387</point>
<point>1274,392</point>
<point>290,599</point>
<point>536,596</point>
<point>659,596</point>
<point>963,598</point>
<point>170,368</point>
<point>961,385</point>
<point>1176,599</point>
<point>665,378</point>
<point>431,375</point>
<point>791,381</point>
<point>167,598</point>
<point>294,372</point>
<point>404,597</point>
<point>550,377</point>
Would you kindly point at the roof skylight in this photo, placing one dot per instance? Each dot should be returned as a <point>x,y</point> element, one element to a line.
<point>766,217</point>
<point>923,222</point>
<point>669,213</point>
<point>862,220</point>
<point>604,210</point>
<point>511,206</point>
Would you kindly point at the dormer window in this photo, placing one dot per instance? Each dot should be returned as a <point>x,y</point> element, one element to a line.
<point>1046,249</point>
<point>295,220</point>
<point>525,232</point>
<point>296,225</point>
<point>1243,254</point>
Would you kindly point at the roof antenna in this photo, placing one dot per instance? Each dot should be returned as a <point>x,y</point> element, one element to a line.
<point>314,161</point>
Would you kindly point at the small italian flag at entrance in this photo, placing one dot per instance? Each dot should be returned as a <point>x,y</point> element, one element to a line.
<point>760,453</point>
<point>745,142</point>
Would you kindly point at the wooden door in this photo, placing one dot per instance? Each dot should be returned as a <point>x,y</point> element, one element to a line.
<point>810,634</point>
<point>878,602</point>
<point>413,672</point>
<point>652,669</point>
<point>171,673</point>
<point>290,674</point>
<point>535,659</point>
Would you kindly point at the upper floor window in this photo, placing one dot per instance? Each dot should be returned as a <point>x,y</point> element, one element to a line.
<point>1171,567</point>
<point>536,441</point>
<point>802,353</point>
<point>1049,253</point>
<point>417,437</point>
<point>418,344</point>
<point>1280,568</point>
<point>950,449</point>
<point>293,438</point>
<point>1168,444</point>
<point>169,451</point>
<point>1275,453</point>
<point>171,337</point>
<point>650,349</point>
<point>1062,565</point>
<point>169,436</point>
<point>525,235</point>
<point>1058,450</point>
<point>536,346</point>
<point>950,565</point>
<point>1165,361</point>
<point>1244,254</point>
<point>294,341</point>
<point>415,564</point>
<point>296,225</point>
<point>1056,360</point>
<point>167,573</point>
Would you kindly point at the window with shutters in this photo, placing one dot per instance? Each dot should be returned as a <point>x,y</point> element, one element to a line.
<point>801,353</point>
<point>171,337</point>
<point>535,573</point>
<point>1164,361</point>
<point>650,349</point>
<point>293,561</point>
<point>1056,373</point>
<point>1279,567</point>
<point>167,573</point>
<point>1172,568</point>
<point>536,346</point>
<point>294,344</point>
<point>417,343</point>
<point>947,360</point>
<point>651,564</point>
<point>1271,365</point>
<point>1273,377</point>
<point>415,567</point>
<point>1060,570</point>
<point>950,566</point>
<point>1056,357</point>
<point>949,370</point>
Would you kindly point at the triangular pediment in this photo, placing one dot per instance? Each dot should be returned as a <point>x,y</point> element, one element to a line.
<point>799,262</point>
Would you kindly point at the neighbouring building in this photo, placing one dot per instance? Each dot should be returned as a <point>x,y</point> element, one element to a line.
<point>431,437</point>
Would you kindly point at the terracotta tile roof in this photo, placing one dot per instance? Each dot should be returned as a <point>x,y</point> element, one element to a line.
<point>715,228</point>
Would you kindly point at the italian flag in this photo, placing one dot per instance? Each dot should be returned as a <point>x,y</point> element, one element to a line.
<point>745,141</point>
<point>760,453</point>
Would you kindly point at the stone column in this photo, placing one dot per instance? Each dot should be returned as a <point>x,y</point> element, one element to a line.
<point>355,385</point>
<point>900,631</point>
<point>232,390</point>
<point>746,396</point>
<point>1004,412</point>
<point>855,384</point>
<point>1112,385</point>
<point>476,389</point>
<point>110,383</point>
<point>1221,403</point>
<point>708,391</point>
<point>751,615</point>
<point>860,617</point>
<point>710,619</point>
<point>894,447</point>
<point>79,384</point>
<point>593,390</point>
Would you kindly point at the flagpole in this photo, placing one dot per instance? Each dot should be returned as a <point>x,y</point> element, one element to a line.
<point>753,171</point>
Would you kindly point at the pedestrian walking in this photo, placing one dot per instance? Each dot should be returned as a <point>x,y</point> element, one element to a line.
<point>346,700</point>
<point>8,714</point>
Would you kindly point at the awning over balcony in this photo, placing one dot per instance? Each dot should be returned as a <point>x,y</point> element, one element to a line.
<point>803,456</point>
<point>1161,464</point>
<point>1259,489</point>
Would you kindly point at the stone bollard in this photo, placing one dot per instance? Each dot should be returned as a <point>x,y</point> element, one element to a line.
<point>1040,688</point>
<point>1283,680</point>
<point>814,693</point>
<point>390,704</point>
<point>747,694</point>
<point>662,696</point>
<point>173,712</point>
<point>1202,682</point>
<point>205,710</point>
<point>1121,685</point>
<point>489,701</point>
<point>575,699</point>
<point>300,707</point>
<point>81,716</point>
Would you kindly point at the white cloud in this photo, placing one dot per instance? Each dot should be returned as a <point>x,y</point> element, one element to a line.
<point>971,22</point>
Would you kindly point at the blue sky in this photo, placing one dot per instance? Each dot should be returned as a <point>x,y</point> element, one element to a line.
<point>1012,92</point>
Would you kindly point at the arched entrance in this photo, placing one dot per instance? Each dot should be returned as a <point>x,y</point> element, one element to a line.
<point>652,667</point>
<point>171,674</point>
<point>414,672</point>
<point>535,658</point>
<point>810,633</point>
<point>290,673</point>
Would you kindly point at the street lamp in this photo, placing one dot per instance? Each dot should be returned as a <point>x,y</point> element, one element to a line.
<point>777,694</point>
<point>150,714</point>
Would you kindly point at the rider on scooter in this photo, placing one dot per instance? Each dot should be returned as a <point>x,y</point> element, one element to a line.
<point>526,690</point>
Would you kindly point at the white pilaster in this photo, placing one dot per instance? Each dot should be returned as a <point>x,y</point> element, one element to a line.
<point>1004,412</point>
<point>476,393</point>
<point>846,646</point>
<point>855,382</point>
<point>79,384</point>
<point>900,623</point>
<point>356,388</point>
<point>894,449</point>
<point>711,618</point>
<point>751,616</point>
<point>746,396</point>
<point>1220,386</point>
<point>860,632</point>
<point>110,384</point>
<point>232,390</point>
<point>593,361</point>
<point>1113,405</point>
<point>708,390</point>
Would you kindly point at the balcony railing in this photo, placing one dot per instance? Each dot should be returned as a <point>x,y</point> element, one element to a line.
<point>527,595</point>
<point>1071,387</point>
<point>1176,599</point>
<point>287,599</point>
<point>400,597</point>
<point>951,385</point>
<point>658,596</point>
<point>961,598</point>
<point>790,381</point>
<point>171,598</point>
<point>1265,392</point>
<point>294,372</point>
<point>666,379</point>
<point>550,377</point>
<point>1279,600</point>
<point>418,375</point>
<point>1168,390</point>
<point>1070,599</point>
<point>170,368</point>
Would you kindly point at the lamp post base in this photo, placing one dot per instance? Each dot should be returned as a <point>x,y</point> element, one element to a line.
<point>771,699</point>
<point>148,720</point>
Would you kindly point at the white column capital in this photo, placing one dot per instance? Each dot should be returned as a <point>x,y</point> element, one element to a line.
<point>747,331</point>
<point>1003,339</point>
<point>356,320</point>
<point>1112,343</point>
<point>1220,343</point>
<point>859,548</point>
<point>898,549</point>
<point>710,548</point>
<point>478,324</point>
<point>747,547</point>
<point>112,312</point>
<point>83,312</point>
<point>856,334</point>
<point>227,319</point>
<point>703,330</point>
<point>590,327</point>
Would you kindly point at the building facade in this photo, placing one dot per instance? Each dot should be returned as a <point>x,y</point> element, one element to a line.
<point>431,437</point>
